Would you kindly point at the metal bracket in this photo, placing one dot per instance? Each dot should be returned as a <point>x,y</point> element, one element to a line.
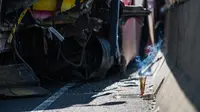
<point>135,11</point>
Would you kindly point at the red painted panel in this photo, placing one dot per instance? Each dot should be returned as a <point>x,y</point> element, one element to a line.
<point>131,36</point>
<point>131,39</point>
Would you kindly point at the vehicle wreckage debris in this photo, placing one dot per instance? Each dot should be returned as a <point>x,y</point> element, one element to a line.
<point>82,38</point>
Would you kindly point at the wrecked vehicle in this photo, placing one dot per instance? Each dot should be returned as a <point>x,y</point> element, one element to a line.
<point>55,39</point>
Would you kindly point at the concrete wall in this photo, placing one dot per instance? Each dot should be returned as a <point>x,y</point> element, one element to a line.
<point>180,73</point>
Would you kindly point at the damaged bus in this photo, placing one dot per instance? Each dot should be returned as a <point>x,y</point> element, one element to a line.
<point>57,39</point>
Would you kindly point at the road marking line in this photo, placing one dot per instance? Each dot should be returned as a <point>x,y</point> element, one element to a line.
<point>52,98</point>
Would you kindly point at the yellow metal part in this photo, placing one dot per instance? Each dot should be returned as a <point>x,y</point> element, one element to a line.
<point>68,4</point>
<point>50,5</point>
<point>15,26</point>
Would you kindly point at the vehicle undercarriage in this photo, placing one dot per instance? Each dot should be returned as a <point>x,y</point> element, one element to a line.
<point>81,39</point>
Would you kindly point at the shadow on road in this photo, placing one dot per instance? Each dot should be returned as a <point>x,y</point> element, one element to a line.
<point>109,103</point>
<point>82,94</point>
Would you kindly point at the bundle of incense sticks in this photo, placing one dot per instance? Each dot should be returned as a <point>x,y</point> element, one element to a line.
<point>142,80</point>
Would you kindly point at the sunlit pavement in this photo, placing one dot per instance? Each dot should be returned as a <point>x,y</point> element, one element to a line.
<point>110,95</point>
<point>116,97</point>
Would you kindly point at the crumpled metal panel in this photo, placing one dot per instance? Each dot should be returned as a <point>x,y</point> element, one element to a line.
<point>3,39</point>
<point>11,5</point>
<point>18,81</point>
<point>17,75</point>
<point>25,91</point>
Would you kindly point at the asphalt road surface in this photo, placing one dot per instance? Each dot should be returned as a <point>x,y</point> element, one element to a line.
<point>109,95</point>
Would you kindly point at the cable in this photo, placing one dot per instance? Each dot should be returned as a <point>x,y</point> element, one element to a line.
<point>17,53</point>
<point>71,63</point>
<point>82,55</point>
<point>12,92</point>
<point>15,47</point>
